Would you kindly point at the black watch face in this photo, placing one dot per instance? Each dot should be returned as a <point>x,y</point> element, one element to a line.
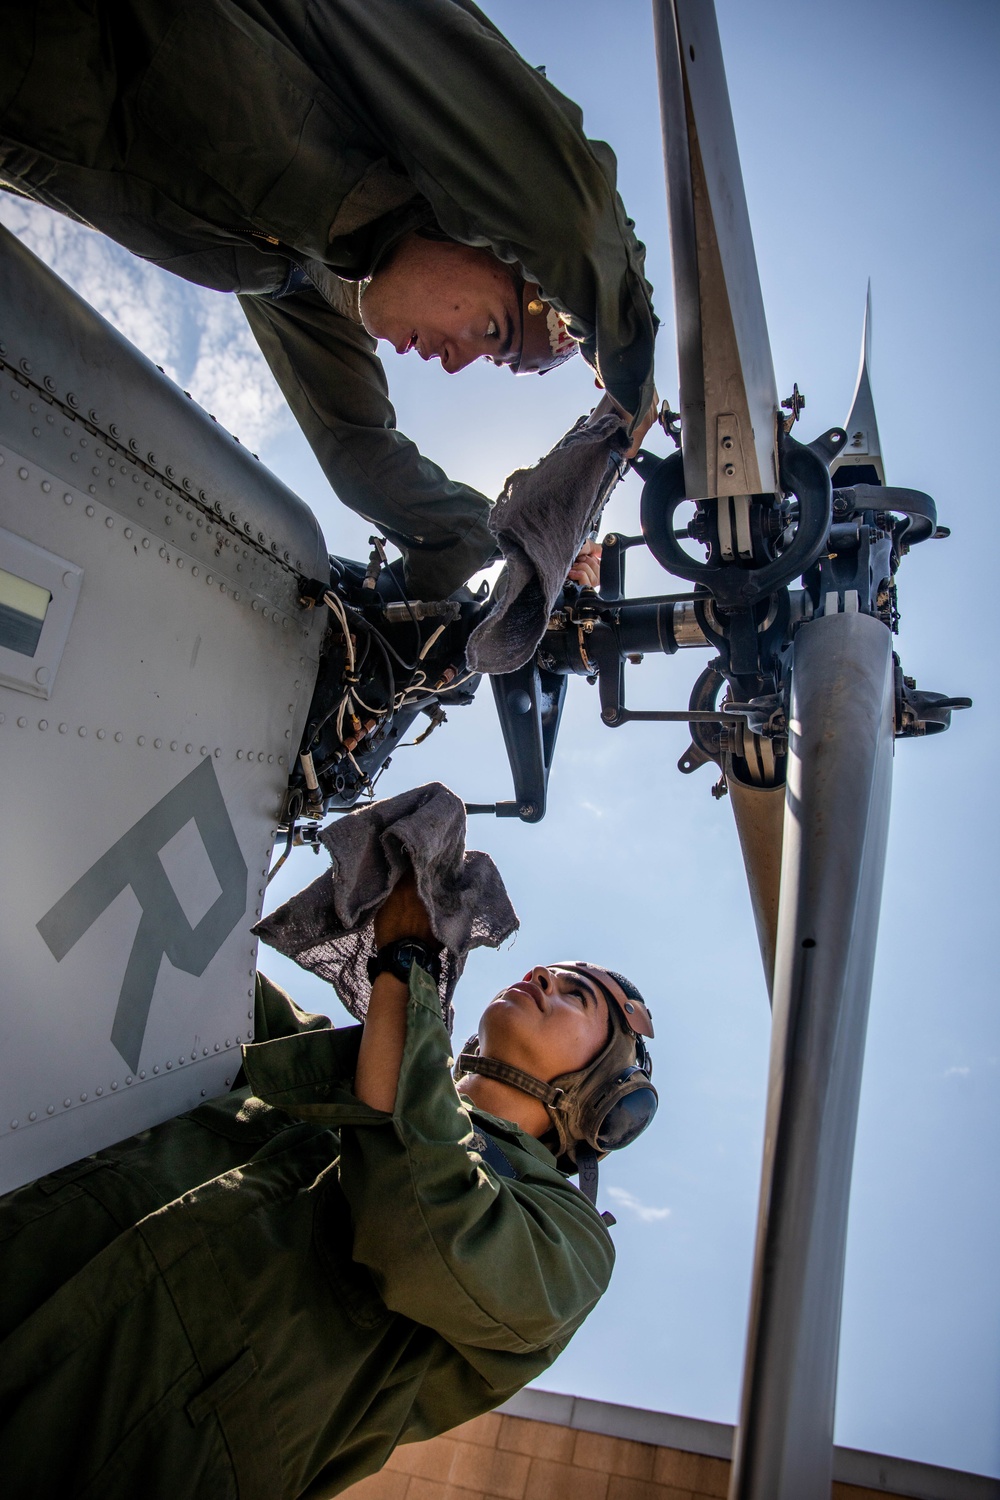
<point>399,957</point>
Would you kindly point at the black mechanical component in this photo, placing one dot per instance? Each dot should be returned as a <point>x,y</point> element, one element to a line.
<point>793,404</point>
<point>386,660</point>
<point>847,544</point>
<point>770,553</point>
<point>529,706</point>
<point>918,713</point>
<point>874,526</point>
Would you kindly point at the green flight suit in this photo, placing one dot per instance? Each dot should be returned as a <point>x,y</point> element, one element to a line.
<point>242,143</point>
<point>263,1297</point>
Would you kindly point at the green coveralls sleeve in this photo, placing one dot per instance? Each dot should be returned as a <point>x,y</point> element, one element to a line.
<point>331,377</point>
<point>502,159</point>
<point>276,1013</point>
<point>491,1264</point>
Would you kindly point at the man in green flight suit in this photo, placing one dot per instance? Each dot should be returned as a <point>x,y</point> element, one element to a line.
<point>352,169</point>
<point>264,1297</point>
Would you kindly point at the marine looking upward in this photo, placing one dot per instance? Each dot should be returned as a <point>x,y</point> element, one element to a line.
<point>263,1297</point>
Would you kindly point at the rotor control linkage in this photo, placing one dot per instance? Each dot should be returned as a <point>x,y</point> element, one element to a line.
<point>919,713</point>
<point>762,569</point>
<point>919,510</point>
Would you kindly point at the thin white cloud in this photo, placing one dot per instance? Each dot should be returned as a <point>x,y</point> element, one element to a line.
<point>200,338</point>
<point>957,1072</point>
<point>643,1211</point>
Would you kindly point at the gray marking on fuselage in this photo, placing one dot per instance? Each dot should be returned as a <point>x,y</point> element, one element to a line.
<point>163,928</point>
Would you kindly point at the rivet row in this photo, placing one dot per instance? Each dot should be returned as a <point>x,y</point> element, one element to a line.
<point>141,1077</point>
<point>72,401</point>
<point>109,522</point>
<point>258,756</point>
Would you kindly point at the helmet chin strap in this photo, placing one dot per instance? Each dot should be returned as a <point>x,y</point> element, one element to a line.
<point>586,1161</point>
<point>491,1067</point>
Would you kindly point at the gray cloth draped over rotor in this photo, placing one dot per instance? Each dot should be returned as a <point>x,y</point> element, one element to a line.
<point>328,927</point>
<point>541,521</point>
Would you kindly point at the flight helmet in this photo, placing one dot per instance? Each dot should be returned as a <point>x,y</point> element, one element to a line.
<point>602,1106</point>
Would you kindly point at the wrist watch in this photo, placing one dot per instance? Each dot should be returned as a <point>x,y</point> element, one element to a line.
<point>399,957</point>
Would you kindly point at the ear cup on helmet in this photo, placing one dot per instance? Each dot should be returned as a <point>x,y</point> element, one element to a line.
<point>628,1115</point>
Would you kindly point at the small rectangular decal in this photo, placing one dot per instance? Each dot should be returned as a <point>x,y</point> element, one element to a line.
<point>23,606</point>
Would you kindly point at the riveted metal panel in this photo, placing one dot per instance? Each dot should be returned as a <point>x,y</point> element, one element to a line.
<point>77,369</point>
<point>139,800</point>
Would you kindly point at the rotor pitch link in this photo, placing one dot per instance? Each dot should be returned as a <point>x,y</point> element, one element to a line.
<point>722,715</point>
<point>616,717</point>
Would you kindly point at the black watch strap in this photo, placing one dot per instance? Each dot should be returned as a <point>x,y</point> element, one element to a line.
<point>399,957</point>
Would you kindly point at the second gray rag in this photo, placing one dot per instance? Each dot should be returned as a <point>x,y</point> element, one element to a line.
<point>541,521</point>
<point>327,928</point>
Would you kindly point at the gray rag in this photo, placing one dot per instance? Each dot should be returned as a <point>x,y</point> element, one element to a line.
<point>541,521</point>
<point>328,927</point>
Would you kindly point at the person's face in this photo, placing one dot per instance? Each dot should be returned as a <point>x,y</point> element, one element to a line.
<point>552,1021</point>
<point>446,301</point>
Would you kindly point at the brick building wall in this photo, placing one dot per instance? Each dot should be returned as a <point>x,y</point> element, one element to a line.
<point>507,1456</point>
<point>515,1458</point>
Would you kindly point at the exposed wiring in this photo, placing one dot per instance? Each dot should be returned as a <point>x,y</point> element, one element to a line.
<point>438,717</point>
<point>366,706</point>
<point>439,692</point>
<point>413,686</point>
<point>408,666</point>
<point>333,603</point>
<point>353,717</point>
<point>429,642</point>
<point>402,594</point>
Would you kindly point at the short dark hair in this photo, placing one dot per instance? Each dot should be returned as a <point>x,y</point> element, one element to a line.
<point>616,1021</point>
<point>630,989</point>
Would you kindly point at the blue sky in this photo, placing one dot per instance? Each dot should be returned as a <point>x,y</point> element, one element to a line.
<point>867,133</point>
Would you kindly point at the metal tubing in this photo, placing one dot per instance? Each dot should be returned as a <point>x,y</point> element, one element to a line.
<point>836,824</point>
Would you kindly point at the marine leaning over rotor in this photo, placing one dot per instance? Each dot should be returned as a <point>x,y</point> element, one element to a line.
<point>354,170</point>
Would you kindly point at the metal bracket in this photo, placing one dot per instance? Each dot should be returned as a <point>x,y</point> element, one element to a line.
<point>920,713</point>
<point>730,460</point>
